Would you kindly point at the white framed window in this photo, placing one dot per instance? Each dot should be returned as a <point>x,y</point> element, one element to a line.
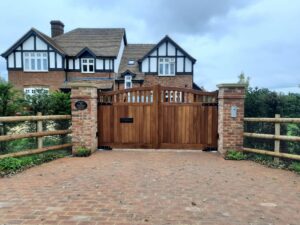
<point>35,90</point>
<point>35,61</point>
<point>166,66</point>
<point>87,65</point>
<point>127,82</point>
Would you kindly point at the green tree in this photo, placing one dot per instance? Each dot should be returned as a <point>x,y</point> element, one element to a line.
<point>11,102</point>
<point>38,102</point>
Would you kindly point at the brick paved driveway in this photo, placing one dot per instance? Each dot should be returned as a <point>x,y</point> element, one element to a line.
<point>150,188</point>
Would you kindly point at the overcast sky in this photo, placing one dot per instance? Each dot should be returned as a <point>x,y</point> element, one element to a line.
<point>259,37</point>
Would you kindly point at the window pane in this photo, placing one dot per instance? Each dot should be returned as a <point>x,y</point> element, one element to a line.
<point>161,68</point>
<point>84,68</point>
<point>32,64</point>
<point>45,64</point>
<point>172,68</point>
<point>32,54</point>
<point>26,64</point>
<point>39,64</point>
<point>91,68</point>
<point>166,68</point>
<point>84,61</point>
<point>161,59</point>
<point>128,85</point>
<point>91,61</point>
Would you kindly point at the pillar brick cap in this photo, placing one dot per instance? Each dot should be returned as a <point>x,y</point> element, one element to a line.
<point>231,85</point>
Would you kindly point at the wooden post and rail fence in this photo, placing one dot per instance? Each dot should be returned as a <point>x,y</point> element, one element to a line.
<point>276,137</point>
<point>39,134</point>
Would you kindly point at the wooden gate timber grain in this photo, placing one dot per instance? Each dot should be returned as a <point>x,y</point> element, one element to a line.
<point>158,117</point>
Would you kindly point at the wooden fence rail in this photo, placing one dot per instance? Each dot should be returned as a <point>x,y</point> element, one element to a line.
<point>39,134</point>
<point>276,137</point>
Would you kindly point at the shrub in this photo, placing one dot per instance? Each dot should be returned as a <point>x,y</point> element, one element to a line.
<point>235,155</point>
<point>82,152</point>
<point>295,166</point>
<point>10,164</point>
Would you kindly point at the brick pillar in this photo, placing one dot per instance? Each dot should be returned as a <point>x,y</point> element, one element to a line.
<point>84,122</point>
<point>230,128</point>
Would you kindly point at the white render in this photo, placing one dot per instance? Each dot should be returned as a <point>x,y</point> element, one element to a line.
<point>180,64</point>
<point>11,60</point>
<point>153,65</point>
<point>71,66</point>
<point>171,49</point>
<point>162,50</point>
<point>99,64</point>
<point>40,45</point>
<point>145,65</point>
<point>52,59</point>
<point>29,44</point>
<point>188,65</point>
<point>18,60</point>
<point>58,61</point>
<point>118,59</point>
<point>77,64</point>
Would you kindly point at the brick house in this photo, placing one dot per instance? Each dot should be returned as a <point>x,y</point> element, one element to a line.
<point>97,55</point>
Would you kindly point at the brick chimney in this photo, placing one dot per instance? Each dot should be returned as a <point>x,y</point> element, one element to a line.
<point>57,28</point>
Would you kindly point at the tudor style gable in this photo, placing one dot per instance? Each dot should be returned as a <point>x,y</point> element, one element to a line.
<point>167,58</point>
<point>34,52</point>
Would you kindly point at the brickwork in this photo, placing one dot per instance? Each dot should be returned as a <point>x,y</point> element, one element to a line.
<point>181,81</point>
<point>120,86</point>
<point>75,75</point>
<point>230,128</point>
<point>150,188</point>
<point>53,79</point>
<point>84,122</point>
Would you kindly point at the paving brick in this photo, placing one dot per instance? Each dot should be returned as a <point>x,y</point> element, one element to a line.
<point>148,187</point>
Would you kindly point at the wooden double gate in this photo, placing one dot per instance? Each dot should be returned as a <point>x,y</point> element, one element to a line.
<point>158,117</point>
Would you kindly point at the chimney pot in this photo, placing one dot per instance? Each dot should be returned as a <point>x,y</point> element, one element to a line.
<point>57,28</point>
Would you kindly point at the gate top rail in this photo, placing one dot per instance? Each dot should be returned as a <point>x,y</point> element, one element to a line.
<point>165,95</point>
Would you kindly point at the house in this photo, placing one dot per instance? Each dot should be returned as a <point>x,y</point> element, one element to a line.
<point>99,55</point>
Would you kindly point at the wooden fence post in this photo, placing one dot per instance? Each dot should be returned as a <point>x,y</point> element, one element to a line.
<point>40,129</point>
<point>277,142</point>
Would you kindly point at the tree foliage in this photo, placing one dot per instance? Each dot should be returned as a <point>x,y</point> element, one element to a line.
<point>11,100</point>
<point>261,102</point>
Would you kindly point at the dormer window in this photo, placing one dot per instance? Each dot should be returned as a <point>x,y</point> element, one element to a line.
<point>167,66</point>
<point>127,81</point>
<point>87,65</point>
<point>131,62</point>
